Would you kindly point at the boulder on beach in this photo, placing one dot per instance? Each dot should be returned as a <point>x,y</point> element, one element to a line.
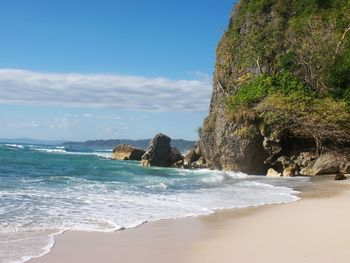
<point>340,176</point>
<point>160,153</point>
<point>329,163</point>
<point>273,173</point>
<point>127,152</point>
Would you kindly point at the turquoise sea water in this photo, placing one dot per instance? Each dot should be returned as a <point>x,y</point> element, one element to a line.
<point>45,190</point>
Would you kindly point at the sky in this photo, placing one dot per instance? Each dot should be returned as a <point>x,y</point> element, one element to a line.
<point>107,69</point>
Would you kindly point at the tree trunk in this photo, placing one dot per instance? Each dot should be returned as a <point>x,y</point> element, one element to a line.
<point>318,146</point>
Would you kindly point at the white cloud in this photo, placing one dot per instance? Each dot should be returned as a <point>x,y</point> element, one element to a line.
<point>106,117</point>
<point>30,124</point>
<point>62,123</point>
<point>103,90</point>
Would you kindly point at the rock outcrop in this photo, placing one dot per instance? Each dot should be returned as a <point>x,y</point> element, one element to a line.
<point>328,163</point>
<point>160,153</point>
<point>340,177</point>
<point>252,137</point>
<point>127,152</point>
<point>194,160</point>
<point>273,173</point>
<point>233,146</point>
<point>192,156</point>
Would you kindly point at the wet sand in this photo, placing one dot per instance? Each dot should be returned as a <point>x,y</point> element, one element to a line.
<point>314,229</point>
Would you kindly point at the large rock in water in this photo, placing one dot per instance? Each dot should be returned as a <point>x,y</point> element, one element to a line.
<point>127,152</point>
<point>160,153</point>
<point>194,159</point>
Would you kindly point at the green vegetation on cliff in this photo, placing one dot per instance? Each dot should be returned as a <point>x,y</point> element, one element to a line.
<point>287,62</point>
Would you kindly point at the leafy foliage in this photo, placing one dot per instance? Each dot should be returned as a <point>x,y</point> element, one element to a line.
<point>319,118</point>
<point>305,37</point>
<point>254,91</point>
<point>296,54</point>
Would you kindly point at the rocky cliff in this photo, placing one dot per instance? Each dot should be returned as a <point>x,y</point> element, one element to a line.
<point>281,88</point>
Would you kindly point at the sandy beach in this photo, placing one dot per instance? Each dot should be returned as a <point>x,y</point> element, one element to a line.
<point>314,229</point>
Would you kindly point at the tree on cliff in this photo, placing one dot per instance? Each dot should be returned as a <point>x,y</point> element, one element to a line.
<point>289,63</point>
<point>323,120</point>
<point>282,80</point>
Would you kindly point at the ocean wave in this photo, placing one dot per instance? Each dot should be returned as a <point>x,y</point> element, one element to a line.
<point>24,249</point>
<point>114,196</point>
<point>17,146</point>
<point>62,150</point>
<point>219,177</point>
<point>160,186</point>
<point>105,215</point>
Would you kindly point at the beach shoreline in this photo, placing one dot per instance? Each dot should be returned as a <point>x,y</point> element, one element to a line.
<point>264,233</point>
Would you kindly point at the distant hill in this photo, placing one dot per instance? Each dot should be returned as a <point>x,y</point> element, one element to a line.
<point>182,145</point>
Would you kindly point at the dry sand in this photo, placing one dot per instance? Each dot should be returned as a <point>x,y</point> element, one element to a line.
<point>315,229</point>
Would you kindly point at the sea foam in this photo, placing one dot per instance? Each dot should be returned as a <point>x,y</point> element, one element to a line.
<point>41,199</point>
<point>14,146</point>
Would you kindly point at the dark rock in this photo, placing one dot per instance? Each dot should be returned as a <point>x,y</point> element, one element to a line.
<point>288,166</point>
<point>193,159</point>
<point>290,172</point>
<point>340,176</point>
<point>201,163</point>
<point>159,153</point>
<point>175,155</point>
<point>179,164</point>
<point>192,156</point>
<point>127,152</point>
<point>284,161</point>
<point>272,146</point>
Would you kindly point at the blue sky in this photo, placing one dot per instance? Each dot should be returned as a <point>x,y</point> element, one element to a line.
<point>98,69</point>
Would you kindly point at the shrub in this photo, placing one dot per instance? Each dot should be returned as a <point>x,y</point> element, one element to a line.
<point>249,94</point>
<point>253,92</point>
<point>245,132</point>
<point>319,118</point>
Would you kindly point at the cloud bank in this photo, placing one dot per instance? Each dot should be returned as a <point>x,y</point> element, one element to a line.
<point>103,90</point>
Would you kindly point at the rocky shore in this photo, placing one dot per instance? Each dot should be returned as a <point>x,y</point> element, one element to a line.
<point>127,152</point>
<point>280,103</point>
<point>267,113</point>
<point>306,163</point>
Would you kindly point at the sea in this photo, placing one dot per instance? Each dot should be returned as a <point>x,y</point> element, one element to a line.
<point>47,190</point>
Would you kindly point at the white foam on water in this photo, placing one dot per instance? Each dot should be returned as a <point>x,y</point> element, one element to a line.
<point>105,155</point>
<point>51,150</point>
<point>24,249</point>
<point>220,177</point>
<point>157,186</point>
<point>62,150</point>
<point>111,206</point>
<point>18,146</point>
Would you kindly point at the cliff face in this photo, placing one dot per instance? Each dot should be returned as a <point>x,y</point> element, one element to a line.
<point>281,88</point>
